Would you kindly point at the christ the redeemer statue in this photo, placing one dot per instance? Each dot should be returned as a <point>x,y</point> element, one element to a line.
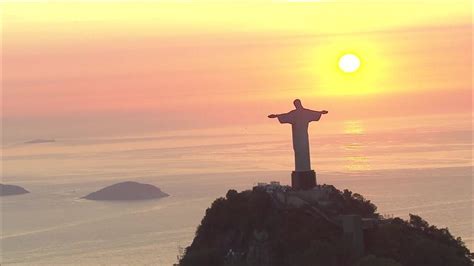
<point>303,177</point>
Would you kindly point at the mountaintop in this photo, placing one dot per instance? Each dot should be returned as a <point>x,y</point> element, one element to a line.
<point>277,226</point>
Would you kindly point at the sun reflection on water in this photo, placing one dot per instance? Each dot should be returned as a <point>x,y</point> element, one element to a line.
<point>357,163</point>
<point>355,151</point>
<point>354,127</point>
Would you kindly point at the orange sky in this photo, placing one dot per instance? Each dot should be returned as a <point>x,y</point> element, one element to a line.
<point>149,66</point>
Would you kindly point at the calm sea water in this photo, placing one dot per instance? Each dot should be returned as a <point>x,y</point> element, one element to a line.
<point>421,165</point>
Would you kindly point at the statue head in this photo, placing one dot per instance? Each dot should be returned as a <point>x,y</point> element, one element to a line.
<point>298,104</point>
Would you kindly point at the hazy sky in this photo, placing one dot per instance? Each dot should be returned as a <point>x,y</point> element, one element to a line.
<point>88,68</point>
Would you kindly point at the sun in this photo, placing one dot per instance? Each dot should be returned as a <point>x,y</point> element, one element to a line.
<point>349,63</point>
<point>346,65</point>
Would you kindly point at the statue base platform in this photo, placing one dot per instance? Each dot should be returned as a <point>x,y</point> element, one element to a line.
<point>303,180</point>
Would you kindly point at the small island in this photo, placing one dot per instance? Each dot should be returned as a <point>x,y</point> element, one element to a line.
<point>10,190</point>
<point>275,225</point>
<point>38,141</point>
<point>126,191</point>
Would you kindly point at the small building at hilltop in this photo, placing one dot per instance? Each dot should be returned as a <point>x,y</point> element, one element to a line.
<point>273,186</point>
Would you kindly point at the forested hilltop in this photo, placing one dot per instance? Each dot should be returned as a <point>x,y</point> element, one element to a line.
<point>253,228</point>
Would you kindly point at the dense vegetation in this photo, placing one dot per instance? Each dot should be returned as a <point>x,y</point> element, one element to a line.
<point>415,242</point>
<point>346,202</point>
<point>248,229</point>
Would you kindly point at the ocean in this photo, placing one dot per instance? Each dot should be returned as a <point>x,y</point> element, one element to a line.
<point>420,165</point>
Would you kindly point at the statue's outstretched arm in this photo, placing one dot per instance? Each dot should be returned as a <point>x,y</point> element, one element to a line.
<point>276,115</point>
<point>323,112</point>
<point>284,118</point>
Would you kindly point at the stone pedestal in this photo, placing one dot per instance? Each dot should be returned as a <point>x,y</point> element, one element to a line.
<point>303,180</point>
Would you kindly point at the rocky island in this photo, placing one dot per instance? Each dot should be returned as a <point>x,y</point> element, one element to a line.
<point>10,190</point>
<point>127,191</point>
<point>39,141</point>
<point>274,225</point>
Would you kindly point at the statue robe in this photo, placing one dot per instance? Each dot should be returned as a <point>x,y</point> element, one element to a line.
<point>299,120</point>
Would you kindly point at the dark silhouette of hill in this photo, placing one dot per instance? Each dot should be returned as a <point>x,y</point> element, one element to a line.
<point>127,191</point>
<point>37,141</point>
<point>252,228</point>
<point>10,190</point>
